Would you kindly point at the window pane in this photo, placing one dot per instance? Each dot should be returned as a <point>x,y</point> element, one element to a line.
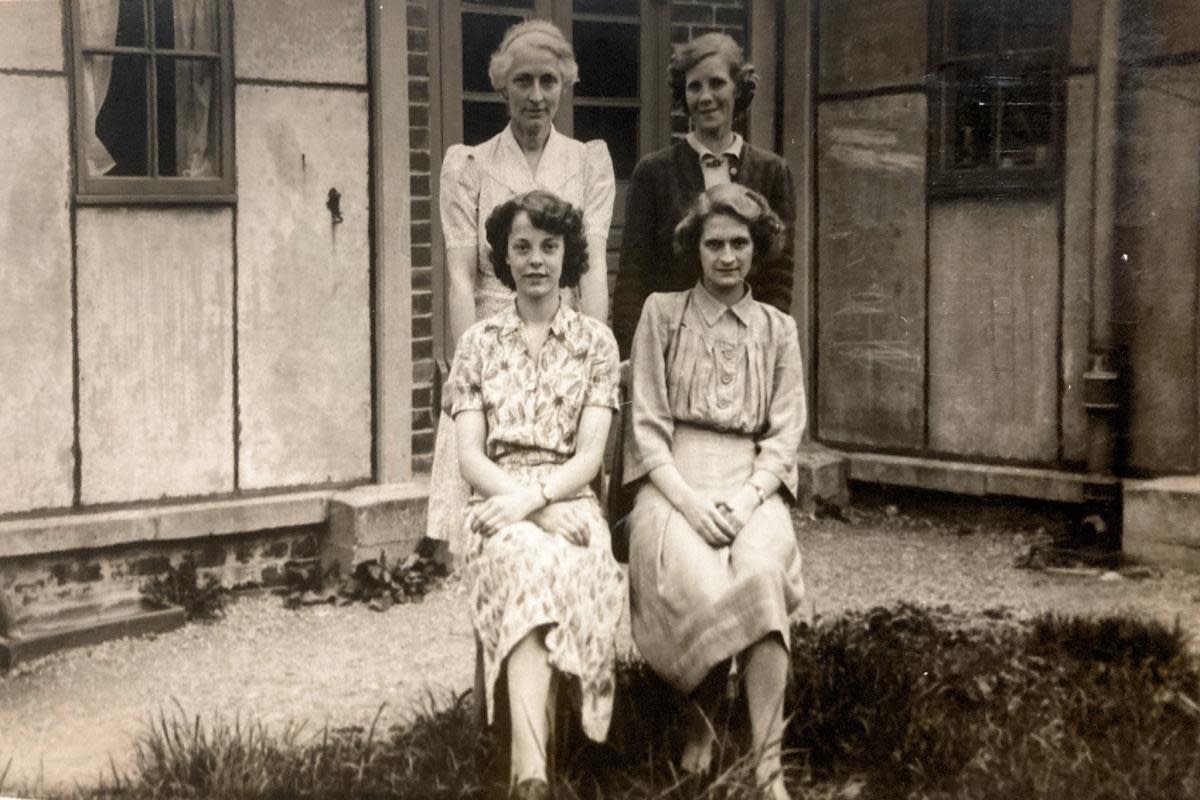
<point>189,127</point>
<point>481,35</point>
<point>608,59</point>
<point>1026,120</point>
<point>104,23</point>
<point>118,84</point>
<point>482,120</point>
<point>186,24</point>
<point>974,26</point>
<point>970,96</point>
<point>1032,23</point>
<point>606,7</point>
<point>618,127</point>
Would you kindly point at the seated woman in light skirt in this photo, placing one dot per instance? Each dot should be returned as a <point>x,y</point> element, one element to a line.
<point>532,393</point>
<point>718,410</point>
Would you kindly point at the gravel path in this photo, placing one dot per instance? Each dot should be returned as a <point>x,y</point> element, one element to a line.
<point>62,718</point>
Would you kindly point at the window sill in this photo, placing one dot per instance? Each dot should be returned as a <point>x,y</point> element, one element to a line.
<point>150,199</point>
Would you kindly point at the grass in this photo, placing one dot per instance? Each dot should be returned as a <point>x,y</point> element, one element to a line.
<point>897,703</point>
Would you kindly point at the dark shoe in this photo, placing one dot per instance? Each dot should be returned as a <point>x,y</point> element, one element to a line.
<point>531,789</point>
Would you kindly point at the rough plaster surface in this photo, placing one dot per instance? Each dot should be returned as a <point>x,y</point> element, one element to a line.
<point>155,352</point>
<point>31,35</point>
<point>871,45</point>
<point>303,287</point>
<point>993,314</point>
<point>322,41</point>
<point>35,281</point>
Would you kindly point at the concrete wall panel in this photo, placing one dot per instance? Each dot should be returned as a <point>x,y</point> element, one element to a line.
<point>1077,262</point>
<point>322,41</point>
<point>31,34</point>
<point>303,287</point>
<point>36,436</point>
<point>993,328</point>
<point>1159,237</point>
<point>155,352</point>
<point>1085,32</point>
<point>871,271</point>
<point>1152,28</point>
<point>872,45</point>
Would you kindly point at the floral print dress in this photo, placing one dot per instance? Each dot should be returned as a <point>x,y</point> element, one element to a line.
<point>524,578</point>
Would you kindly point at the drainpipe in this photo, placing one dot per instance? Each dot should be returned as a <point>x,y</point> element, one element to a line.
<point>1101,381</point>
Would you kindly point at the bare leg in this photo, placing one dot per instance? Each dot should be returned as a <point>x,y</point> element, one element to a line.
<point>766,679</point>
<point>529,696</point>
<point>702,710</point>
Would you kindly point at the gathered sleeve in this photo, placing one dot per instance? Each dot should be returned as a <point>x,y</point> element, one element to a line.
<point>603,370</point>
<point>463,389</point>
<point>650,431</point>
<point>600,189</point>
<point>458,197</point>
<point>787,412</point>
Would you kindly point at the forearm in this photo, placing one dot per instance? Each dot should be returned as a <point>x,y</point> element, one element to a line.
<point>765,480</point>
<point>593,286</point>
<point>666,479</point>
<point>461,305</point>
<point>484,475</point>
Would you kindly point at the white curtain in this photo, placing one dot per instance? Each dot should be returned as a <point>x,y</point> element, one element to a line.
<point>196,123</point>
<point>98,24</point>
<point>196,120</point>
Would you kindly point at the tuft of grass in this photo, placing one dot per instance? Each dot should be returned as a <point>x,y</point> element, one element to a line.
<point>899,702</point>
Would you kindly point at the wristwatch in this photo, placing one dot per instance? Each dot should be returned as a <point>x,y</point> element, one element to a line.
<point>762,497</point>
<point>545,493</point>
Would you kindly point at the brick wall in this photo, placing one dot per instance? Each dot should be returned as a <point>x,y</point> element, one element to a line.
<point>422,257</point>
<point>691,18</point>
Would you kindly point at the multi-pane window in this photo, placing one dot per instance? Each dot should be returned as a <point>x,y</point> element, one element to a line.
<point>996,94</point>
<point>153,83</point>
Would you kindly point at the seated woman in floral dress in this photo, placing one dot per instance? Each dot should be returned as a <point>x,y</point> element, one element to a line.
<point>532,392</point>
<point>717,414</point>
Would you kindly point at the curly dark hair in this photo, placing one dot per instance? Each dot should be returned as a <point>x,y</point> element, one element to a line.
<point>737,202</point>
<point>689,54</point>
<point>548,213</point>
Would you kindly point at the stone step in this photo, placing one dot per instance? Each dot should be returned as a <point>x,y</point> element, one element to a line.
<point>1161,521</point>
<point>83,626</point>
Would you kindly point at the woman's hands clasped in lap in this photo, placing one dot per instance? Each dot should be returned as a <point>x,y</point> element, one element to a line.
<point>565,520</point>
<point>559,519</point>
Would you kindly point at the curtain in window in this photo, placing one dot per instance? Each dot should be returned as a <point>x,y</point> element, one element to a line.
<point>98,25</point>
<point>196,85</point>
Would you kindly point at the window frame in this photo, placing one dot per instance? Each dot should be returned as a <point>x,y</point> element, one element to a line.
<point>165,190</point>
<point>1005,63</point>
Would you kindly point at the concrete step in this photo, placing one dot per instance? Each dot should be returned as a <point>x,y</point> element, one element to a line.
<point>83,626</point>
<point>1161,521</point>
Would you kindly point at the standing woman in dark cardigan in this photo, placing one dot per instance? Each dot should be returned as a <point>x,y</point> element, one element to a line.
<point>711,80</point>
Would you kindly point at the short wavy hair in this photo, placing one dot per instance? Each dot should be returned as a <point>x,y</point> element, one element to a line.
<point>550,213</point>
<point>737,202</point>
<point>537,33</point>
<point>689,54</point>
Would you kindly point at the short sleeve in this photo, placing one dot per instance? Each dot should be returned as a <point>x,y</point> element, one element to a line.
<point>600,189</point>
<point>459,197</point>
<point>463,389</point>
<point>603,370</point>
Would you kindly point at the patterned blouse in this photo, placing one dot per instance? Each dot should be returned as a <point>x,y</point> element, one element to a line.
<point>477,179</point>
<point>532,404</point>
<point>734,368</point>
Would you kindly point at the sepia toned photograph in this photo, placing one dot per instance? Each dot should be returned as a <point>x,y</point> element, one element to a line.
<point>600,399</point>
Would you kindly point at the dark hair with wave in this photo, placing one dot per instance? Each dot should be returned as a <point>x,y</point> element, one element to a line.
<point>737,202</point>
<point>548,213</point>
<point>689,54</point>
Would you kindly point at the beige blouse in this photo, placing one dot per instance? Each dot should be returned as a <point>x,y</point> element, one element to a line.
<point>476,179</point>
<point>734,368</point>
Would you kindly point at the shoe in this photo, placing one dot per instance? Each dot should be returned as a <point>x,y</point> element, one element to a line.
<point>531,789</point>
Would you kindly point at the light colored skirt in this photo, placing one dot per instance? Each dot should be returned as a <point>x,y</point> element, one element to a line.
<point>694,605</point>
<point>524,578</point>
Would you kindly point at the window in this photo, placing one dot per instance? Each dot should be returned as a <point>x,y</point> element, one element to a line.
<point>996,94</point>
<point>153,87</point>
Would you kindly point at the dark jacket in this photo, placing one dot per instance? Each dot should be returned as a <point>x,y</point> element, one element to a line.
<point>663,186</point>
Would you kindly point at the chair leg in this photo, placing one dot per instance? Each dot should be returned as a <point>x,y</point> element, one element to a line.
<point>480,687</point>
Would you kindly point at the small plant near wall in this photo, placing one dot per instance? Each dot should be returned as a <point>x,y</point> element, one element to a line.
<point>375,582</point>
<point>200,599</point>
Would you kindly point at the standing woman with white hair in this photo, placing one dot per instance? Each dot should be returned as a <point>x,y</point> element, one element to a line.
<point>529,70</point>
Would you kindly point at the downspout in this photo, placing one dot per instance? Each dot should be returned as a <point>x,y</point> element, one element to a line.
<point>1101,395</point>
